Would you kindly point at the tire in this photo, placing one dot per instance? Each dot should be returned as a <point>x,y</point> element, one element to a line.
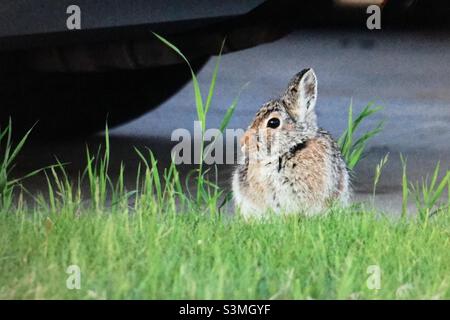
<point>79,104</point>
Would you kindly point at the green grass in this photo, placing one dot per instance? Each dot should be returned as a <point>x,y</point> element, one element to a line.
<point>352,147</point>
<point>157,240</point>
<point>190,256</point>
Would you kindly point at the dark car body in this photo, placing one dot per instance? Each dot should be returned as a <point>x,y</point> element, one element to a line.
<point>112,68</point>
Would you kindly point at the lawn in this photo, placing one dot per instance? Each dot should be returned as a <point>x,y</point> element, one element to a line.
<point>150,255</point>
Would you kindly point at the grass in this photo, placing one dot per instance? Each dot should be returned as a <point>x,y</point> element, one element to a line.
<point>158,241</point>
<point>192,256</point>
<point>9,153</point>
<point>352,148</point>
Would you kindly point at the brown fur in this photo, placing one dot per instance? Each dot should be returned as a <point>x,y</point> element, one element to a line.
<point>295,166</point>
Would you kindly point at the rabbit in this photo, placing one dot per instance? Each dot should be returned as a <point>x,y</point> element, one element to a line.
<point>289,165</point>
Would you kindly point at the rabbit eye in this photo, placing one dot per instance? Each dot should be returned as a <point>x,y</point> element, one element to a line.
<point>273,123</point>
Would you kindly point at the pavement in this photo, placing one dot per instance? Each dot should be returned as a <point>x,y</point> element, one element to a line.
<point>405,72</point>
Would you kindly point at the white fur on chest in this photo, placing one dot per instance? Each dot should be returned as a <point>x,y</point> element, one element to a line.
<point>281,195</point>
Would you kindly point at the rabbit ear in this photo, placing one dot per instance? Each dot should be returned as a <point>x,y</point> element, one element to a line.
<point>302,95</point>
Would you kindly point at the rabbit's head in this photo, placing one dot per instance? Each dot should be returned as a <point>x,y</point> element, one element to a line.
<point>284,123</point>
